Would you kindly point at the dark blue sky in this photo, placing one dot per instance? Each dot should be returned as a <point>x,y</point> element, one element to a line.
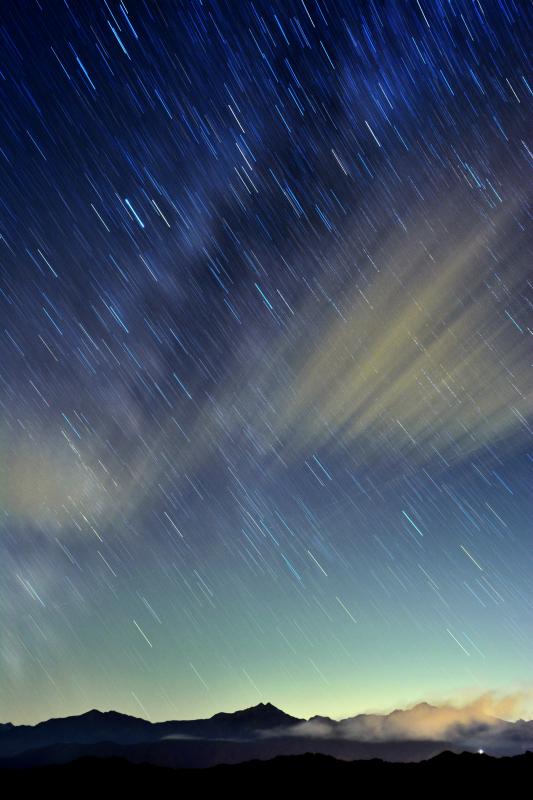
<point>264,374</point>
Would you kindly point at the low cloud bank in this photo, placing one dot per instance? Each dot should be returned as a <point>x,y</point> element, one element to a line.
<point>488,714</point>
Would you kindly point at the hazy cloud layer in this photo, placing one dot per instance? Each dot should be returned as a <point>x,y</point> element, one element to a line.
<point>486,713</point>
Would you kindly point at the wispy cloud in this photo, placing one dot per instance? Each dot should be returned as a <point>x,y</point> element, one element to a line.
<point>487,713</point>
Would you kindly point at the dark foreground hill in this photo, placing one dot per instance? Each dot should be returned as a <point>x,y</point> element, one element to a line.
<point>310,774</point>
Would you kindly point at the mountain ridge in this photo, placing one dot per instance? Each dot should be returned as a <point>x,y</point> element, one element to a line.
<point>258,707</point>
<point>262,731</point>
<point>308,772</point>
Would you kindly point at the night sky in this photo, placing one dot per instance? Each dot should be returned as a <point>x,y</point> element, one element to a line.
<point>265,306</point>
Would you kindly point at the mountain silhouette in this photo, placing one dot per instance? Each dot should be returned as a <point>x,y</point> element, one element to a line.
<point>111,726</point>
<point>260,718</point>
<point>260,732</point>
<point>308,773</point>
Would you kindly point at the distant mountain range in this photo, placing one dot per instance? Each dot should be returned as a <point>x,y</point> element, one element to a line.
<point>261,732</point>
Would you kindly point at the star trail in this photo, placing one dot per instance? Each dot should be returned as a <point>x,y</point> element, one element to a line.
<point>265,355</point>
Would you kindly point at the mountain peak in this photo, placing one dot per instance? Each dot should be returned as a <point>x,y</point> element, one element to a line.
<point>258,708</point>
<point>423,707</point>
<point>260,716</point>
<point>92,713</point>
<point>96,714</point>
